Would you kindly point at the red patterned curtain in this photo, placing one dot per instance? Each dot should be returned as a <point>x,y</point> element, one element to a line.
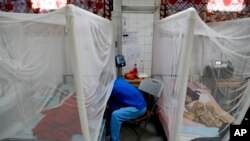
<point>100,7</point>
<point>6,5</point>
<point>169,7</point>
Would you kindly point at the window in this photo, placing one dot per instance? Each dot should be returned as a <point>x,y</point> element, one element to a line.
<point>226,5</point>
<point>47,5</point>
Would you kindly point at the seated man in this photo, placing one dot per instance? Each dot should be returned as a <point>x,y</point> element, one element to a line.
<point>126,102</point>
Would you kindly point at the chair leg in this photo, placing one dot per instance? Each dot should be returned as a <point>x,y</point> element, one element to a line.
<point>135,131</point>
<point>143,130</point>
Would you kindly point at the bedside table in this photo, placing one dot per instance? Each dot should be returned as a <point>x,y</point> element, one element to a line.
<point>135,82</point>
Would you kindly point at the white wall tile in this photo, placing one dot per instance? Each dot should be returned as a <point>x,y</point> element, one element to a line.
<point>148,40</point>
<point>148,56</point>
<point>141,31</point>
<point>132,16</point>
<point>133,23</point>
<point>131,29</point>
<point>149,17</point>
<point>148,31</point>
<point>147,48</point>
<point>147,64</point>
<point>141,40</point>
<point>139,24</point>
<point>148,71</point>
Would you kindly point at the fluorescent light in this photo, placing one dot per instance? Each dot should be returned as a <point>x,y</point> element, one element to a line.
<point>48,4</point>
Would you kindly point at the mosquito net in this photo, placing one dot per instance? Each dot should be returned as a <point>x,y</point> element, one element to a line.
<point>56,75</point>
<point>206,69</point>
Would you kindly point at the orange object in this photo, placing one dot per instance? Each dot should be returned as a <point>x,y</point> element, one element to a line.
<point>133,74</point>
<point>130,76</point>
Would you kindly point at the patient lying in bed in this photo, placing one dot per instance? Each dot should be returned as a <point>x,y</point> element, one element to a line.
<point>202,109</point>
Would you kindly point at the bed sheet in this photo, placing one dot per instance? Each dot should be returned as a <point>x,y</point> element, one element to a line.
<point>190,127</point>
<point>60,113</point>
<point>190,130</point>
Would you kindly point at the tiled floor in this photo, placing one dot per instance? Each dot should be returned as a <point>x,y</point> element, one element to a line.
<point>150,134</point>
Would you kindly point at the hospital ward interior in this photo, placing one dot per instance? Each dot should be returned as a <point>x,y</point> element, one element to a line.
<point>124,70</point>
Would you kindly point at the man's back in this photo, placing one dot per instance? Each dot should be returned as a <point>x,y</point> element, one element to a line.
<point>127,95</point>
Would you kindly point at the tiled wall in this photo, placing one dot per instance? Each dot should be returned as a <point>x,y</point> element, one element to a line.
<point>137,37</point>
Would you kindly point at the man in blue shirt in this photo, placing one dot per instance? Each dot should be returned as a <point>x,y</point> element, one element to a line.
<point>126,102</point>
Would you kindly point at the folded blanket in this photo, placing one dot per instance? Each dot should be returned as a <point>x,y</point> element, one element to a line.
<point>202,108</point>
<point>208,114</point>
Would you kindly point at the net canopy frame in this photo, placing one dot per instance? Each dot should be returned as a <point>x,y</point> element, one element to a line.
<point>56,74</point>
<point>205,69</point>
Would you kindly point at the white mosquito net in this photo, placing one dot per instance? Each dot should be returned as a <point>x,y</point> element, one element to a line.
<point>206,69</point>
<point>56,75</point>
